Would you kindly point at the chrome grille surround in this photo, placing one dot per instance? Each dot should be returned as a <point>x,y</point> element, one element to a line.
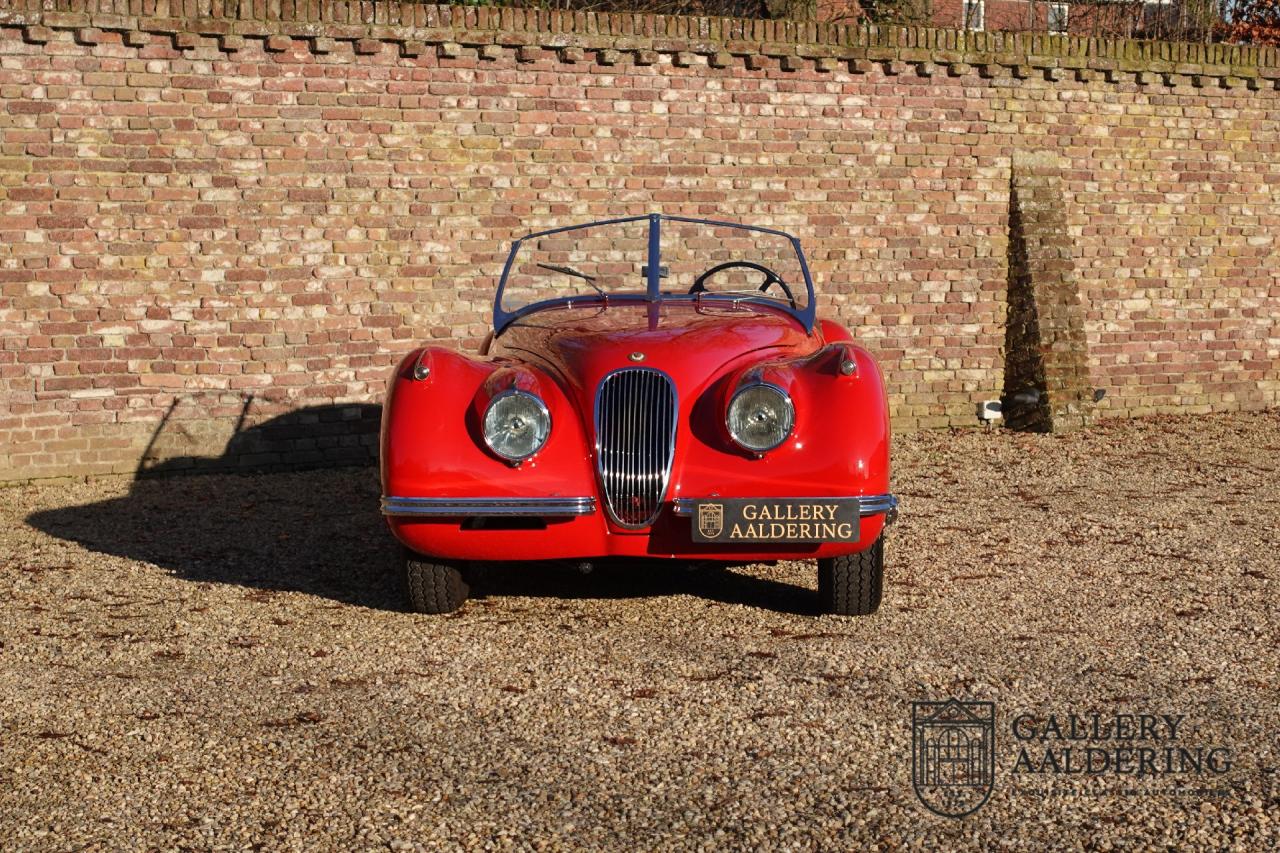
<point>636,416</point>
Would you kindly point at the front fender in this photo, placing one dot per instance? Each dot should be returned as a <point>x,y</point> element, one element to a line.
<point>431,442</point>
<point>838,447</point>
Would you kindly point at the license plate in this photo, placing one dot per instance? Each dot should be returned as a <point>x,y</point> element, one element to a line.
<point>776,520</point>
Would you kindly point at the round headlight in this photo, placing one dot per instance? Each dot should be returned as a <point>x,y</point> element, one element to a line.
<point>516,425</point>
<point>760,417</point>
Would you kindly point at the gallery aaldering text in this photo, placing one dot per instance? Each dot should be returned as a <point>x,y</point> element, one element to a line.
<point>1140,745</point>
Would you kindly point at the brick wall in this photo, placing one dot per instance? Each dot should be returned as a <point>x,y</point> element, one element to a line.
<point>216,218</point>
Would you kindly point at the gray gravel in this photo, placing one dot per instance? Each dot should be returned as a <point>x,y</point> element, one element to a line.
<point>220,662</point>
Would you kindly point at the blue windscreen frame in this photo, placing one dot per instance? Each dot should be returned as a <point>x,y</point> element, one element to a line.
<point>806,316</point>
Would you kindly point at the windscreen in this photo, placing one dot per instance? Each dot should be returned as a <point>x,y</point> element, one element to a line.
<point>719,259</point>
<point>602,258</point>
<point>696,259</point>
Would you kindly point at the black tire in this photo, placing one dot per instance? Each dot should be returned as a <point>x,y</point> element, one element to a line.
<point>434,587</point>
<point>852,585</point>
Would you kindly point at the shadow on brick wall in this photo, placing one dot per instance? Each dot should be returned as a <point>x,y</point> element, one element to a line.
<point>315,436</point>
<point>319,532</point>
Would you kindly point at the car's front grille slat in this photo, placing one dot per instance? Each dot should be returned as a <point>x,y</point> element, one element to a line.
<point>635,440</point>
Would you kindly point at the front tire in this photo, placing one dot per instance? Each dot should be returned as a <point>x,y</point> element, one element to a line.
<point>434,587</point>
<point>852,585</point>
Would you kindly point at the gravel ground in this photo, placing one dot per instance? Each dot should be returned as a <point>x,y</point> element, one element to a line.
<point>221,662</point>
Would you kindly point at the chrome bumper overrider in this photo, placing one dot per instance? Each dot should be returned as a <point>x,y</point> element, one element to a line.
<point>463,507</point>
<point>867,504</point>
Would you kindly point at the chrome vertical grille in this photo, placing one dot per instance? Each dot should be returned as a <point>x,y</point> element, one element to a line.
<point>635,439</point>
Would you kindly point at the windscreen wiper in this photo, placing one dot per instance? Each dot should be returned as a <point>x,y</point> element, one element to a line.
<point>589,279</point>
<point>568,271</point>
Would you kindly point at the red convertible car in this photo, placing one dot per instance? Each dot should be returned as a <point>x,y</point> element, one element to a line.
<point>654,386</point>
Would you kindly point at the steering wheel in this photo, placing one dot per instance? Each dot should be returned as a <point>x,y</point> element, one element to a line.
<point>770,278</point>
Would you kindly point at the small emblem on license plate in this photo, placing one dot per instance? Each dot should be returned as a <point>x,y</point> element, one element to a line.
<point>710,520</point>
<point>777,520</point>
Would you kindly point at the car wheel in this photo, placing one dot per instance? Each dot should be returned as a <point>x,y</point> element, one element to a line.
<point>851,585</point>
<point>434,587</point>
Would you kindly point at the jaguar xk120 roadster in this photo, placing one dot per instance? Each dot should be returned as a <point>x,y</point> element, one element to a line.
<point>653,387</point>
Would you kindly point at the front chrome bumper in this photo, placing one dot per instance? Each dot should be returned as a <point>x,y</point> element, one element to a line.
<point>867,504</point>
<point>562,507</point>
<point>464,507</point>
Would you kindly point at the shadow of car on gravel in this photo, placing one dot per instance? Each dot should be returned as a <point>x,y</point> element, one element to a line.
<point>250,518</point>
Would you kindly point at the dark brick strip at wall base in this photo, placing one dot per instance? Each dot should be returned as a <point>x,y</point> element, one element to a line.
<point>207,205</point>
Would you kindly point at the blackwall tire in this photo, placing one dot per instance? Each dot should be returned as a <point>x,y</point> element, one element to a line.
<point>434,587</point>
<point>852,585</point>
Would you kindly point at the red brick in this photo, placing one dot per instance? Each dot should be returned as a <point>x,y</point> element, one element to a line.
<point>292,221</point>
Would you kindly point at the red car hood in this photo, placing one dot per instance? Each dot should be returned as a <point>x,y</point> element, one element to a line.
<point>690,343</point>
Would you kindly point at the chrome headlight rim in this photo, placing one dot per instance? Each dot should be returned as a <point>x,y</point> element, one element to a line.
<point>543,413</point>
<point>788,407</point>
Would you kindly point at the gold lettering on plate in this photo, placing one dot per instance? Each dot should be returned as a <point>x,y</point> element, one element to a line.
<point>763,522</point>
<point>792,530</point>
<point>789,512</point>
